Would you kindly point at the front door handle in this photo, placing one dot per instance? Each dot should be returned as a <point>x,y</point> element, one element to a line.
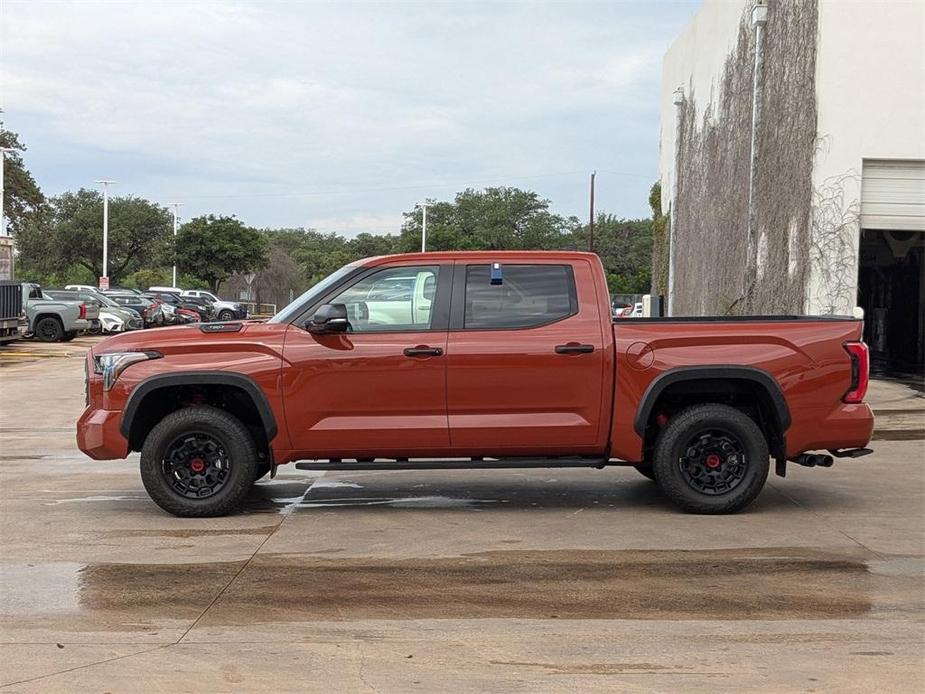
<point>423,351</point>
<point>574,348</point>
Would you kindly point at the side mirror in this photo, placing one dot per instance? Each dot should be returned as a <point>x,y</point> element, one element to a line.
<point>329,318</point>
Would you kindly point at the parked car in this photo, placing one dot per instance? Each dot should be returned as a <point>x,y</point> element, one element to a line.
<point>150,311</point>
<point>175,301</point>
<point>10,310</point>
<point>54,320</point>
<point>491,360</point>
<point>113,317</point>
<point>224,310</point>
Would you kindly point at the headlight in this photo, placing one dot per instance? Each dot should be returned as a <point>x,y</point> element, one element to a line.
<point>112,365</point>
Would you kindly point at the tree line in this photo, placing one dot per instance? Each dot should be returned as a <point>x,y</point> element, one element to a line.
<point>59,239</point>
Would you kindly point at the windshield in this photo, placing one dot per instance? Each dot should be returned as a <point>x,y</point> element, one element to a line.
<point>293,309</point>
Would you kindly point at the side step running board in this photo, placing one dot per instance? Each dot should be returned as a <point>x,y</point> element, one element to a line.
<point>479,464</point>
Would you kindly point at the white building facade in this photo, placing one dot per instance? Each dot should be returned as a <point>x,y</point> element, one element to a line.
<point>793,164</point>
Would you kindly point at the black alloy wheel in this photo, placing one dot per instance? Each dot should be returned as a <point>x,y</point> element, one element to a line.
<point>713,462</point>
<point>195,465</point>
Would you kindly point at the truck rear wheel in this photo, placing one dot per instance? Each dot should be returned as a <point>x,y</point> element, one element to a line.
<point>711,459</point>
<point>49,329</point>
<point>198,462</point>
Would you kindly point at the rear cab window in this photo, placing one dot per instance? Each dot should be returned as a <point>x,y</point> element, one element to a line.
<point>519,296</point>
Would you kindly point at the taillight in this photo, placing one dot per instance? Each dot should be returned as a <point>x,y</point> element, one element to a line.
<point>83,311</point>
<point>860,372</point>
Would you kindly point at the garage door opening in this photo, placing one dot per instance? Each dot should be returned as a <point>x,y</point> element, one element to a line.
<point>891,278</point>
<point>891,290</point>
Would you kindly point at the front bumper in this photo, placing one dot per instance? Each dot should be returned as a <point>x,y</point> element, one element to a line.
<point>98,434</point>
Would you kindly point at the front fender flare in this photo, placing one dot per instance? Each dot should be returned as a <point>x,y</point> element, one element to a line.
<point>191,378</point>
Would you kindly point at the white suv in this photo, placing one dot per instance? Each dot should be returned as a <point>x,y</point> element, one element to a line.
<point>224,310</point>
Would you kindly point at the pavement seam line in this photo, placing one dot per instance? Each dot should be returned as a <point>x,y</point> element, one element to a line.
<point>822,517</point>
<point>247,563</point>
<point>86,665</point>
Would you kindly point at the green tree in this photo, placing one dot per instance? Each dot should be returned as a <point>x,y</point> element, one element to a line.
<point>492,219</point>
<point>68,231</point>
<point>214,248</point>
<point>21,194</point>
<point>625,249</point>
<point>660,241</point>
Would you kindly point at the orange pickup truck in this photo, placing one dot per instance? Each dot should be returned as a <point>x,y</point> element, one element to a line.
<point>476,360</point>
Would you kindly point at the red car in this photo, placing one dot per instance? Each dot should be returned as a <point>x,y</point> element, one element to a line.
<point>505,359</point>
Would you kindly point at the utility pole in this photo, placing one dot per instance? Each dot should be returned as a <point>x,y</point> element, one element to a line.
<point>104,280</point>
<point>3,151</point>
<point>591,217</point>
<point>423,206</point>
<point>176,209</point>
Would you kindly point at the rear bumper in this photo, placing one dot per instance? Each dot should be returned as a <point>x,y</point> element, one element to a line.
<point>847,426</point>
<point>98,434</point>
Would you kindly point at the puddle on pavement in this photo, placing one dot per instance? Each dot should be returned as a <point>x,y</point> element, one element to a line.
<point>734,584</point>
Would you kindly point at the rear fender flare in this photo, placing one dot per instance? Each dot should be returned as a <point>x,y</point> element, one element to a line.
<point>781,411</point>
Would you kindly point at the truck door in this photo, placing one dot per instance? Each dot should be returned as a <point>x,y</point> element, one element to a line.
<point>379,389</point>
<point>525,359</point>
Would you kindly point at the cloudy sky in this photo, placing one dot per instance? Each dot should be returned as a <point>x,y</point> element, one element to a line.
<point>338,116</point>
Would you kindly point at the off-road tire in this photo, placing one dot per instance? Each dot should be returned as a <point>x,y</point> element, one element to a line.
<point>226,315</point>
<point>646,470</point>
<point>49,329</point>
<point>237,443</point>
<point>69,335</point>
<point>681,429</point>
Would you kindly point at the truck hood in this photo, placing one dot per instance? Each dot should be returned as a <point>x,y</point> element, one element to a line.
<point>181,338</point>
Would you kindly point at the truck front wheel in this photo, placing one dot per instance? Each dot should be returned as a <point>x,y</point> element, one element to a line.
<point>711,459</point>
<point>198,462</point>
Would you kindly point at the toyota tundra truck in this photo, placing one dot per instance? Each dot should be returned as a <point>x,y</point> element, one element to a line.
<point>476,360</point>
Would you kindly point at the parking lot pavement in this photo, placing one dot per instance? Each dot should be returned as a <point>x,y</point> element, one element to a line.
<point>547,580</point>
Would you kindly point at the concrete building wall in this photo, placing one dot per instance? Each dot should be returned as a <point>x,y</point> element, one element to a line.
<point>727,256</point>
<point>843,82</point>
<point>870,87</point>
<point>695,62</point>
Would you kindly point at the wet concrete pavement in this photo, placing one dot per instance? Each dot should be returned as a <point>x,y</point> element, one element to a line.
<point>552,580</point>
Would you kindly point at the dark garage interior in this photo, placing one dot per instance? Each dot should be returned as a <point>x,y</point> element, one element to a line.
<point>891,290</point>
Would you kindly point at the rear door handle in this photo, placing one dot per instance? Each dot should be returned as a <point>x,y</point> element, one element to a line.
<point>423,351</point>
<point>574,348</point>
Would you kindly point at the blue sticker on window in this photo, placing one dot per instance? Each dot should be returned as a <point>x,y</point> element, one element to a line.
<point>496,273</point>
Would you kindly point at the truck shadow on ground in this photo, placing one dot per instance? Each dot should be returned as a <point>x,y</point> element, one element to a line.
<point>377,492</point>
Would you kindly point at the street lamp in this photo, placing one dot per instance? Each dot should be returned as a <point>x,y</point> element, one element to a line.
<point>176,208</point>
<point>105,278</point>
<point>423,206</point>
<point>3,151</point>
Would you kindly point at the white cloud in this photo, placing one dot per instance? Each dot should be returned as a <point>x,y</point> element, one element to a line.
<point>247,101</point>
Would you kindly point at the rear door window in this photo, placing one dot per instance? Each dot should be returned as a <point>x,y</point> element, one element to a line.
<point>527,296</point>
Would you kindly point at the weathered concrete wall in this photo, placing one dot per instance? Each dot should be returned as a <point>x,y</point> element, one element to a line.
<point>710,256</point>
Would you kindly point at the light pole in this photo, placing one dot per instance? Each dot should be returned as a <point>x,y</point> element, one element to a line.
<point>591,216</point>
<point>423,206</point>
<point>3,151</point>
<point>105,278</point>
<point>176,208</point>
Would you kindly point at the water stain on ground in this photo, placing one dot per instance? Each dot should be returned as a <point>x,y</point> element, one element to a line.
<point>568,584</point>
<point>898,434</point>
<point>192,532</point>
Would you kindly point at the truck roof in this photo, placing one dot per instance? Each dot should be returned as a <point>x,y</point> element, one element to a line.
<point>509,256</point>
